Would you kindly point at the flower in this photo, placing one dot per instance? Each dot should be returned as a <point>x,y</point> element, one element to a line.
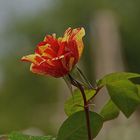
<point>57,56</point>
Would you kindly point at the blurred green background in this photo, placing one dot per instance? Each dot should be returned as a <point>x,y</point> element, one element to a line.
<point>31,101</point>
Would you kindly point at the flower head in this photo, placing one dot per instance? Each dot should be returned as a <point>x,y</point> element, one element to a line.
<point>57,56</point>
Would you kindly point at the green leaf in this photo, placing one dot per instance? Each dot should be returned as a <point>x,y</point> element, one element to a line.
<point>113,77</point>
<point>20,136</point>
<point>74,128</point>
<point>109,111</point>
<point>75,103</point>
<point>125,95</point>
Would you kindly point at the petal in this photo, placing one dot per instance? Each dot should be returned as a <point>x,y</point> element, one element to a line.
<point>56,57</point>
<point>51,39</point>
<point>71,33</point>
<point>67,34</point>
<point>45,69</point>
<point>41,47</point>
<point>61,49</point>
<point>29,58</point>
<point>33,58</point>
<point>37,69</point>
<point>72,45</point>
<point>49,52</point>
<point>54,43</point>
<point>77,35</point>
<point>71,63</point>
<point>66,64</point>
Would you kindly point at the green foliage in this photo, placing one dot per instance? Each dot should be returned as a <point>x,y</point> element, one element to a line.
<point>19,136</point>
<point>113,77</point>
<point>74,128</point>
<point>109,111</point>
<point>75,103</point>
<point>125,95</point>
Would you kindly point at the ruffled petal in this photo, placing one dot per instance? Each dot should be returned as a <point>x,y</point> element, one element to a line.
<point>41,47</point>
<point>33,58</point>
<point>67,34</point>
<point>37,69</point>
<point>57,57</point>
<point>77,35</point>
<point>29,58</point>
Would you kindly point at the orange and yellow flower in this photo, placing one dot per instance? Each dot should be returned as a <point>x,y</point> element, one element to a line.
<point>57,56</point>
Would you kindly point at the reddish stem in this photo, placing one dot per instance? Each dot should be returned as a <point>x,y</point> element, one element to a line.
<point>86,106</point>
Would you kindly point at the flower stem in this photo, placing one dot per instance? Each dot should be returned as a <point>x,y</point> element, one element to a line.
<point>86,106</point>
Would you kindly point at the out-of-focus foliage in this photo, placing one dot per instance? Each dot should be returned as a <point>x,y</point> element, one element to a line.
<point>29,100</point>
